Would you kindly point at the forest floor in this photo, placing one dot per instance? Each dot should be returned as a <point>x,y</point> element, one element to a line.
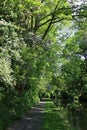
<point>32,120</point>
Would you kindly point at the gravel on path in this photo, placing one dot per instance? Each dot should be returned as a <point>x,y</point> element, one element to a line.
<point>33,119</point>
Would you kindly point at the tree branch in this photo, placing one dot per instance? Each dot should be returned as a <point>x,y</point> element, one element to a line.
<point>53,15</point>
<point>45,22</point>
<point>74,9</point>
<point>58,20</point>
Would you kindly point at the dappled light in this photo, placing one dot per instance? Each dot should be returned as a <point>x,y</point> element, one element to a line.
<point>43,57</point>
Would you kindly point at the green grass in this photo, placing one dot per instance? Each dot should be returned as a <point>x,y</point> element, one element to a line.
<point>55,118</point>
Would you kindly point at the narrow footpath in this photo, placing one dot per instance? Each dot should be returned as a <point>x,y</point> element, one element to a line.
<point>33,120</point>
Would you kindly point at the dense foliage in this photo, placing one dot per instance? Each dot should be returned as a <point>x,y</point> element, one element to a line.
<point>43,52</point>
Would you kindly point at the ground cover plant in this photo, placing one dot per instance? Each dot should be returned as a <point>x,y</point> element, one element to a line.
<point>55,118</point>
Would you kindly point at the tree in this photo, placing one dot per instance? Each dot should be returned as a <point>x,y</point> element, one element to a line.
<point>34,56</point>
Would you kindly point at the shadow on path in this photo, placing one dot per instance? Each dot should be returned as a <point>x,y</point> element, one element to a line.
<point>32,120</point>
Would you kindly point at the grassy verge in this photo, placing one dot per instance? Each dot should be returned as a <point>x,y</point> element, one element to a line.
<point>55,119</point>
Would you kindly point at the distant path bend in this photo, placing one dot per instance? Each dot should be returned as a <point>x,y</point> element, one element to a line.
<point>33,119</point>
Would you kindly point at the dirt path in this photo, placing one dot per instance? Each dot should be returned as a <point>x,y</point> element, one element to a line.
<point>32,120</point>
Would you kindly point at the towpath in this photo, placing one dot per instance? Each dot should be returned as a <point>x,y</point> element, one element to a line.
<point>33,120</point>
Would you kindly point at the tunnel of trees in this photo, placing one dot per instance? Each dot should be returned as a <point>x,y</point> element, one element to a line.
<point>43,52</point>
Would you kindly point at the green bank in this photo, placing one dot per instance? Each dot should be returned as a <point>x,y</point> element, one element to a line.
<point>55,118</point>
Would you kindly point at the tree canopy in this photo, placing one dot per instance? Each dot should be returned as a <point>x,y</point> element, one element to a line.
<point>43,52</point>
